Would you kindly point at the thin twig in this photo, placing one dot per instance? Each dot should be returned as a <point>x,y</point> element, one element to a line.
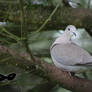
<point>9,34</point>
<point>23,22</point>
<point>89,4</point>
<point>46,21</point>
<point>22,16</point>
<point>29,51</point>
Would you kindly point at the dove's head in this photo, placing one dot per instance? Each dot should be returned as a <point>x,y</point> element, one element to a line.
<point>71,30</point>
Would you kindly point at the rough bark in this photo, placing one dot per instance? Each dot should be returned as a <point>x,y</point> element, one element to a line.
<point>53,73</point>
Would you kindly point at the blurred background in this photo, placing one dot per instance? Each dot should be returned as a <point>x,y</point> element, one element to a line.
<point>20,21</point>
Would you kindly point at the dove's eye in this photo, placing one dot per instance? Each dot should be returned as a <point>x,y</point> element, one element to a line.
<point>68,29</point>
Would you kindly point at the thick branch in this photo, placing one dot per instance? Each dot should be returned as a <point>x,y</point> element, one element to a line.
<point>53,73</point>
<point>39,14</point>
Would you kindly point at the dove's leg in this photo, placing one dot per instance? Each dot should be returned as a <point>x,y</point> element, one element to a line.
<point>70,73</point>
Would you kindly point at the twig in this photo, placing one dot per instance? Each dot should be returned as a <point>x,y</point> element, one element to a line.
<point>23,22</point>
<point>46,21</point>
<point>89,1</point>
<point>29,51</point>
<point>22,16</point>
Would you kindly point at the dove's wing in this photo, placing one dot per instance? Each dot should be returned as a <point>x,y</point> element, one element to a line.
<point>70,54</point>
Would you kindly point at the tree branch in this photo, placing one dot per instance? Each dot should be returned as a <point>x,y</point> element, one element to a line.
<point>81,18</point>
<point>54,74</point>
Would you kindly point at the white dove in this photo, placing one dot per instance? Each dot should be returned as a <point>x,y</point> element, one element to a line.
<point>68,56</point>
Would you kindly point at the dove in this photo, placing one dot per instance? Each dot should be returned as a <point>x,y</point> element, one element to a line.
<point>67,55</point>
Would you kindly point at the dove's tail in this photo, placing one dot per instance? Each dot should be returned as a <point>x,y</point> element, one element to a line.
<point>87,63</point>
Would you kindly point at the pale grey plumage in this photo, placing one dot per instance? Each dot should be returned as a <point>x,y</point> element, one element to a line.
<point>69,56</point>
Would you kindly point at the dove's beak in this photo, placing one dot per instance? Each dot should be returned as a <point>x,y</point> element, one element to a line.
<point>74,33</point>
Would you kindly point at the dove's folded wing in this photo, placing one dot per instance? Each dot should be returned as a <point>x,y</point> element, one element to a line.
<point>71,54</point>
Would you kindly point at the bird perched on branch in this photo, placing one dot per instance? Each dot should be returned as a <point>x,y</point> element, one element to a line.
<point>68,56</point>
